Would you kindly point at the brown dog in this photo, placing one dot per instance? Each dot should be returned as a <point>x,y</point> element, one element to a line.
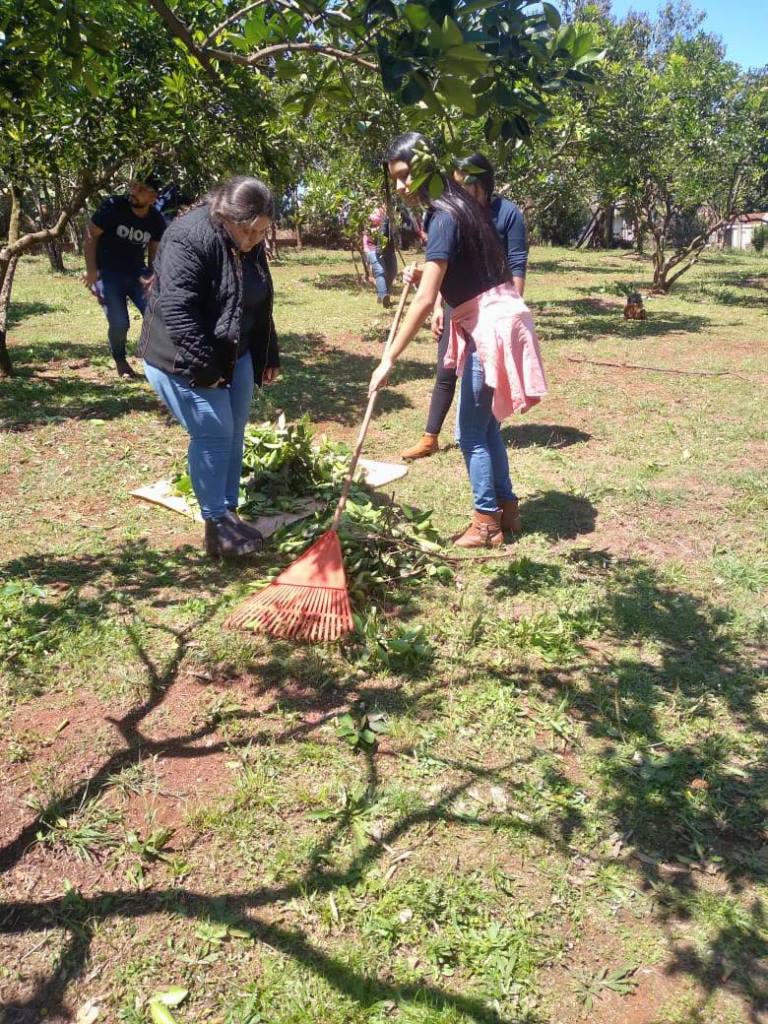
<point>634,309</point>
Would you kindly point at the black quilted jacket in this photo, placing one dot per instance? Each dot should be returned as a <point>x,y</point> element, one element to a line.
<point>192,321</point>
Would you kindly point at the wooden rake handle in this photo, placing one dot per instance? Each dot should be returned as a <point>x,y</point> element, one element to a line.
<point>368,414</point>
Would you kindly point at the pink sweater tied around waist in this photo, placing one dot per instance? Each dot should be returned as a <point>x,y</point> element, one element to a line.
<point>501,326</point>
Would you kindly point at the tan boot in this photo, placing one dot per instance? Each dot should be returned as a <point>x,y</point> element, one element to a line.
<point>426,446</point>
<point>484,532</point>
<point>510,517</point>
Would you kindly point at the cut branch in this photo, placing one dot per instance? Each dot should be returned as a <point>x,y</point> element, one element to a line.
<point>651,369</point>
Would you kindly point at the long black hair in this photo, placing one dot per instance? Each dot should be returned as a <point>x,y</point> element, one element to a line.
<point>477,235</point>
<point>479,171</point>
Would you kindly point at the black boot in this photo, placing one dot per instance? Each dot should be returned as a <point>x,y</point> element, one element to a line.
<point>225,538</point>
<point>247,528</point>
<point>124,369</point>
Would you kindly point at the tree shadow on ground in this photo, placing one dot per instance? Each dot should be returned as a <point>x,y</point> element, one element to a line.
<point>741,293</point>
<point>687,807</point>
<point>19,311</point>
<point>566,266</point>
<point>668,644</point>
<point>586,319</point>
<point>348,282</point>
<point>543,435</point>
<point>331,383</point>
<point>80,916</point>
<point>558,515</point>
<point>27,400</point>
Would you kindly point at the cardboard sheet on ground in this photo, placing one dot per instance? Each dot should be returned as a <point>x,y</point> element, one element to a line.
<point>377,474</point>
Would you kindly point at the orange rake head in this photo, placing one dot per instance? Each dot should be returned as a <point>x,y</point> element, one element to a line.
<point>307,601</point>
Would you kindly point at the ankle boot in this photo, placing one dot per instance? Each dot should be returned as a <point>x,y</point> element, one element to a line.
<point>484,532</point>
<point>426,446</point>
<point>224,538</point>
<point>248,529</point>
<point>510,517</point>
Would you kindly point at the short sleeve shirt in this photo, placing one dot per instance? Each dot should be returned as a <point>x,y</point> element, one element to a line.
<point>124,243</point>
<point>463,278</point>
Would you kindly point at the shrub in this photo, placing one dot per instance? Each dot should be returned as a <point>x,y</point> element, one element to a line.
<point>760,238</point>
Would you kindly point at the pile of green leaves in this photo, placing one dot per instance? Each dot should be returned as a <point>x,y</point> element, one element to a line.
<point>282,468</point>
<point>385,545</point>
<point>280,464</point>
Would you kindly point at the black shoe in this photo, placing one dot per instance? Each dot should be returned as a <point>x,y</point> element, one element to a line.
<point>225,538</point>
<point>386,302</point>
<point>247,528</point>
<point>124,369</point>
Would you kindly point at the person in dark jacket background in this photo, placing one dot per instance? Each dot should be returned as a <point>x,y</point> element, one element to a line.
<point>209,338</point>
<point>475,174</point>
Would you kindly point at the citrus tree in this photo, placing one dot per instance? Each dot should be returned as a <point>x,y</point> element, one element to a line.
<point>103,93</point>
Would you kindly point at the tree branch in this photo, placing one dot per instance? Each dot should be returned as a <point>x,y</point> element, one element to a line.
<point>206,53</point>
<point>177,28</point>
<point>86,188</point>
<point>241,14</point>
<point>259,56</point>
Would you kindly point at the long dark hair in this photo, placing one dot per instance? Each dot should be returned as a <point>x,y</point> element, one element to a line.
<point>477,235</point>
<point>479,171</point>
<point>241,199</point>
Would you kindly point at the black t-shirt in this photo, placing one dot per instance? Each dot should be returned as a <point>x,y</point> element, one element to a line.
<point>126,236</point>
<point>255,293</point>
<point>464,279</point>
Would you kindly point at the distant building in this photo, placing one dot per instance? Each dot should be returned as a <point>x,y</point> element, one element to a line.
<point>738,234</point>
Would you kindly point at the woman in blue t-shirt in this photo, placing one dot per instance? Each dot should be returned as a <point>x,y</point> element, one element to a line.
<point>464,259</point>
<point>476,174</point>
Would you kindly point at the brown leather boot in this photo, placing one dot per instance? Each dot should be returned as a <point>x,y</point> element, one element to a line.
<point>510,517</point>
<point>484,532</point>
<point>426,446</point>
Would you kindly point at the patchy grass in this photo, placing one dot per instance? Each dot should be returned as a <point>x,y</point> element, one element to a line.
<point>562,812</point>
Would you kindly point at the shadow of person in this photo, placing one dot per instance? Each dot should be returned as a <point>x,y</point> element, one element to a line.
<point>558,515</point>
<point>543,435</point>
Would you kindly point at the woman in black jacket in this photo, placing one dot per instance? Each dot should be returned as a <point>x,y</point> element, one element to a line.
<point>209,338</point>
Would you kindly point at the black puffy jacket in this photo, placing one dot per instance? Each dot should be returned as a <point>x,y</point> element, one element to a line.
<point>194,306</point>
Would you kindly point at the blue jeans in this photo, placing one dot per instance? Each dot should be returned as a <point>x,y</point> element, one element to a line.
<point>379,274</point>
<point>215,420</point>
<point>119,286</point>
<point>480,439</point>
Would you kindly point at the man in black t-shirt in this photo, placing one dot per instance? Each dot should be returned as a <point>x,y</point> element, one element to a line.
<point>120,245</point>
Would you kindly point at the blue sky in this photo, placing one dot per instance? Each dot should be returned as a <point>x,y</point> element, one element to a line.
<point>742,25</point>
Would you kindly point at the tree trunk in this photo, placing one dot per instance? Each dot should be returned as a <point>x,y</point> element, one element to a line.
<point>297,222</point>
<point>273,239</point>
<point>7,272</point>
<point>608,227</point>
<point>352,251</point>
<point>6,367</point>
<point>75,236</point>
<point>18,244</point>
<point>53,245</point>
<point>14,222</point>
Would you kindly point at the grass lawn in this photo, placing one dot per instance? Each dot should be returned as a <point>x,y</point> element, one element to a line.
<point>567,817</point>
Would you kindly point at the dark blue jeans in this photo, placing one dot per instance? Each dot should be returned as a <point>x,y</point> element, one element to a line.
<point>119,286</point>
